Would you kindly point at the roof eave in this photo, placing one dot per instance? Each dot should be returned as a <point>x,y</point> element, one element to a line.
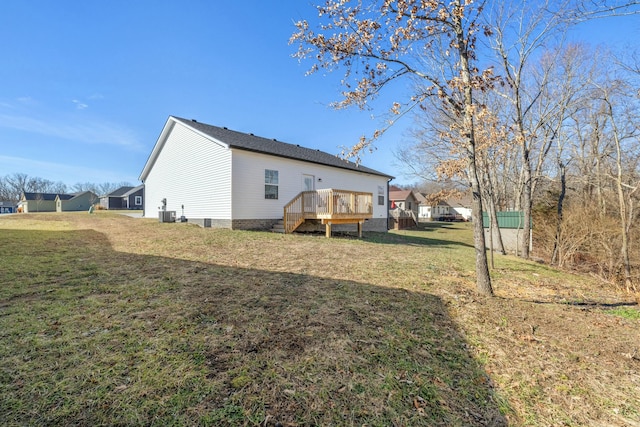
<point>172,120</point>
<point>370,171</point>
<point>157,148</point>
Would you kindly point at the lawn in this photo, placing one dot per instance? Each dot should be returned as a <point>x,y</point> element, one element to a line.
<point>111,320</point>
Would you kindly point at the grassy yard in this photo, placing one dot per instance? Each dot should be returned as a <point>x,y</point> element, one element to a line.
<point>111,320</point>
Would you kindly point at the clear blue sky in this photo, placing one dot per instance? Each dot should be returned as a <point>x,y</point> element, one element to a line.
<point>88,85</point>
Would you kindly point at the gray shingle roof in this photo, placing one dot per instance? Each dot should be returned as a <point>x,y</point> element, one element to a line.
<point>46,196</point>
<point>133,190</point>
<point>250,142</point>
<point>120,191</point>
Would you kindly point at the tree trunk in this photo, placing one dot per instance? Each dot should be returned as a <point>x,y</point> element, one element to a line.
<point>595,150</point>
<point>489,196</point>
<point>493,216</point>
<point>555,256</point>
<point>483,279</point>
<point>624,250</point>
<point>526,203</point>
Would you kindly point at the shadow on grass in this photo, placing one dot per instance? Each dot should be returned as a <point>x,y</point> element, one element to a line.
<point>94,336</point>
<point>424,234</point>
<point>586,304</point>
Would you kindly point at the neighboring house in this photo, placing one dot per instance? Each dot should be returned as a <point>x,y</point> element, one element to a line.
<point>461,206</point>
<point>222,178</point>
<point>123,198</point>
<point>451,209</point>
<point>75,202</point>
<point>55,202</point>
<point>424,208</point>
<point>403,209</point>
<point>405,200</point>
<point>38,202</point>
<point>7,206</point>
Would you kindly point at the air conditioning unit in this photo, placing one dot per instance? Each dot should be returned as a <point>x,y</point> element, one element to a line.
<point>167,216</point>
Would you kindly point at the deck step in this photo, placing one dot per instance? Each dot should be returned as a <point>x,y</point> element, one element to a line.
<point>278,227</point>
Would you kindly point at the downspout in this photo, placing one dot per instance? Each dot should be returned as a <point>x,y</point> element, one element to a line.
<point>387,206</point>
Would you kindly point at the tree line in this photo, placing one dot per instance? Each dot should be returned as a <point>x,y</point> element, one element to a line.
<point>13,185</point>
<point>502,101</point>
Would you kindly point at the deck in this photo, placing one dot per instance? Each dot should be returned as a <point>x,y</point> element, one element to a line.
<point>330,206</point>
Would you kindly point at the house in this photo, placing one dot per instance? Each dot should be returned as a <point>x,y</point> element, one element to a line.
<point>458,207</point>
<point>38,202</point>
<point>451,209</point>
<point>424,209</point>
<point>405,200</point>
<point>217,177</point>
<point>81,201</point>
<point>403,205</point>
<point>7,206</point>
<point>55,202</point>
<point>126,197</point>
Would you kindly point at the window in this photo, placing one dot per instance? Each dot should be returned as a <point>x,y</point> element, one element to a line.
<point>380,195</point>
<point>138,200</point>
<point>270,184</point>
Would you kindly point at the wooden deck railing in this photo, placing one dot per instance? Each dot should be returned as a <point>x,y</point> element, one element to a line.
<point>293,213</point>
<point>327,204</point>
<point>402,219</point>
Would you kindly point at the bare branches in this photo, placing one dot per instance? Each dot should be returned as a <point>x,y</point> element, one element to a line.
<point>384,41</point>
<point>377,43</point>
<point>585,10</point>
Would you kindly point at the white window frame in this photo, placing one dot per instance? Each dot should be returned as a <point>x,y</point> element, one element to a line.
<point>271,183</point>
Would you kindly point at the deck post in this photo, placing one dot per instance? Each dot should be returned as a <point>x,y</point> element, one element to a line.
<point>328,229</point>
<point>284,219</point>
<point>360,229</point>
<point>331,202</point>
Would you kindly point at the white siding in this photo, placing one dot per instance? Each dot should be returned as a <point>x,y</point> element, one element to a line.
<point>465,212</point>
<point>193,171</point>
<point>248,184</point>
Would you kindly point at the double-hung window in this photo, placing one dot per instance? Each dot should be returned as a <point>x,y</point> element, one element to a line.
<point>380,195</point>
<point>270,184</point>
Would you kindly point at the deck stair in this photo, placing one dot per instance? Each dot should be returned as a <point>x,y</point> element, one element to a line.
<point>278,227</point>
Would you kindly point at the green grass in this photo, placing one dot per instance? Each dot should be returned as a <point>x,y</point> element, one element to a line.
<point>108,320</point>
<point>626,312</point>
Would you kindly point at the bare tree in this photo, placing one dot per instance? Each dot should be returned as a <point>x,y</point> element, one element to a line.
<point>521,30</point>
<point>598,165</point>
<point>381,41</point>
<point>5,191</point>
<point>18,183</point>
<point>625,129</point>
<point>568,72</point>
<point>79,187</point>
<point>494,144</point>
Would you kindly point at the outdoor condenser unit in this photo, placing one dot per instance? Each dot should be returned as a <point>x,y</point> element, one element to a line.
<point>167,216</point>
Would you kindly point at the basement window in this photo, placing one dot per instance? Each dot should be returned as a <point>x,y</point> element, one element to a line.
<point>270,184</point>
